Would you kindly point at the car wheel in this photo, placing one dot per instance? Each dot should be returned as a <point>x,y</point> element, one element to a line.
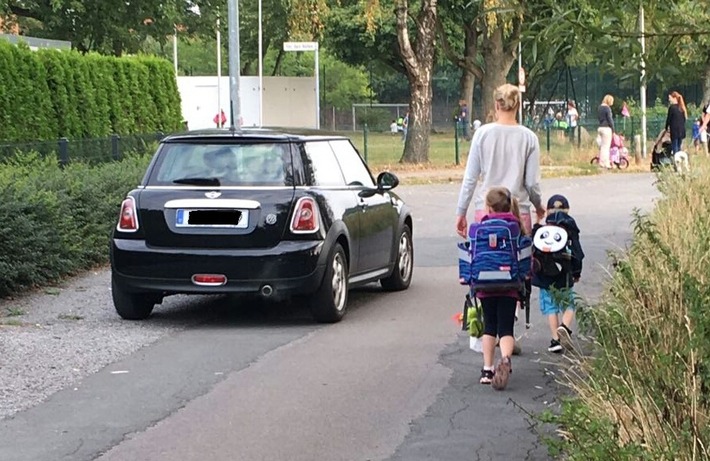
<point>329,303</point>
<point>401,275</point>
<point>131,306</point>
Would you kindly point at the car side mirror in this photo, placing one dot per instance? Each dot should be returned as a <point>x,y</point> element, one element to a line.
<point>386,181</point>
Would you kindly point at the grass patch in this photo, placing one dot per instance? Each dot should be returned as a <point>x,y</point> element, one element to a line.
<point>70,317</point>
<point>14,312</point>
<point>384,152</point>
<point>644,392</point>
<point>11,323</point>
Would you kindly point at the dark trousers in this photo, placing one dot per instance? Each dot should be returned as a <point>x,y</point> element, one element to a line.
<point>498,315</point>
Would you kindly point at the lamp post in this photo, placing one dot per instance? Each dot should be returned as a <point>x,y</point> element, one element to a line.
<point>234,103</point>
<point>261,73</point>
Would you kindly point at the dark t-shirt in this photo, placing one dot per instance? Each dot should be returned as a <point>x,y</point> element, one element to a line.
<point>675,121</point>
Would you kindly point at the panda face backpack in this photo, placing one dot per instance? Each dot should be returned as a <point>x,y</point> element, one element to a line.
<point>552,251</point>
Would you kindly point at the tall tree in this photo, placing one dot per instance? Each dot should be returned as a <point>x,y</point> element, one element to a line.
<point>491,31</point>
<point>402,36</point>
<point>418,59</point>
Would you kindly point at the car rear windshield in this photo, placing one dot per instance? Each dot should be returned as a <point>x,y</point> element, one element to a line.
<point>255,164</point>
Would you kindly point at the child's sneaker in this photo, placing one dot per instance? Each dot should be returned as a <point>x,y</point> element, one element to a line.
<point>565,335</point>
<point>501,374</point>
<point>554,346</point>
<point>486,376</point>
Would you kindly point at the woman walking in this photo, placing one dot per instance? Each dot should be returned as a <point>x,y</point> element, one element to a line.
<point>675,121</point>
<point>605,130</point>
<point>506,154</point>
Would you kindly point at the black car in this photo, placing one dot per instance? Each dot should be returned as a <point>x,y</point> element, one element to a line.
<point>259,212</point>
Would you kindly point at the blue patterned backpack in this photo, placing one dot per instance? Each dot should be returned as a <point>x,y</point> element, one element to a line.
<point>496,257</point>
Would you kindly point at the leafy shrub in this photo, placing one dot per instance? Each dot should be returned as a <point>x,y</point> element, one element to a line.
<point>57,222</point>
<point>644,393</point>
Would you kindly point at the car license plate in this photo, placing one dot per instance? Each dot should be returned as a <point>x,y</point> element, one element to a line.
<point>212,218</point>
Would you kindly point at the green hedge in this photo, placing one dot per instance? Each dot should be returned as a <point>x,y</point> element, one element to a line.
<point>57,222</point>
<point>50,94</point>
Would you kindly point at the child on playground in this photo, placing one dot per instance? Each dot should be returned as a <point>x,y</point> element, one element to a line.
<point>556,295</point>
<point>499,307</point>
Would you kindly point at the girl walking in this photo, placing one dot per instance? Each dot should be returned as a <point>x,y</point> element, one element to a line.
<point>675,121</point>
<point>499,307</point>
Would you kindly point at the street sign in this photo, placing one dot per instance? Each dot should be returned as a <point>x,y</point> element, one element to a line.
<point>300,46</point>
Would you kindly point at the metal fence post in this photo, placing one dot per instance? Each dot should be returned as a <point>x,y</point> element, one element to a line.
<point>115,147</point>
<point>63,152</point>
<point>547,132</point>
<point>364,139</point>
<point>456,140</point>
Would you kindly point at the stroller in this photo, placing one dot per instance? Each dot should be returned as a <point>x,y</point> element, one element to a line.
<point>662,154</point>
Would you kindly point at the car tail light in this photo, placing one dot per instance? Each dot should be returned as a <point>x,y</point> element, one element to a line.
<point>128,219</point>
<point>305,218</point>
<point>209,280</point>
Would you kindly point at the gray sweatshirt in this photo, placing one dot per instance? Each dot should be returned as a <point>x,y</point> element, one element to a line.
<point>502,155</point>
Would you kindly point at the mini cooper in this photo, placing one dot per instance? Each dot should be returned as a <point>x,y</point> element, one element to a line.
<point>259,212</point>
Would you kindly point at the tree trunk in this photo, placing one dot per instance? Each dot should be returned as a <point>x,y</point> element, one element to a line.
<point>466,84</point>
<point>416,144</point>
<point>498,61</point>
<point>418,60</point>
<point>706,82</point>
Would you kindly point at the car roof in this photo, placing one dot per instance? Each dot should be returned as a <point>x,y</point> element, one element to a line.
<point>225,135</point>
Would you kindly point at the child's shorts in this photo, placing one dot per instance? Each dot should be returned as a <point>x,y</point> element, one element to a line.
<point>556,303</point>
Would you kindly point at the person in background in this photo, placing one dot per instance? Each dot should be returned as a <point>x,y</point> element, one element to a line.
<point>464,120</point>
<point>675,121</point>
<point>572,119</point>
<point>394,129</point>
<point>405,126</point>
<point>605,130</point>
<point>696,134</point>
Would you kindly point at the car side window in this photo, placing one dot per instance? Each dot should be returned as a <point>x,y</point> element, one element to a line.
<point>324,168</point>
<point>354,169</point>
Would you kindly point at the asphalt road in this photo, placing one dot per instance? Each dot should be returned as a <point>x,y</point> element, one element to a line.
<point>394,381</point>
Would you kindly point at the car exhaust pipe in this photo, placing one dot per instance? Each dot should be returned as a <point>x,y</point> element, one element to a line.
<point>266,291</point>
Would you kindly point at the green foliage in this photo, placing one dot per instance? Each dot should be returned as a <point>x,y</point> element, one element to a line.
<point>57,222</point>
<point>632,404</point>
<point>49,94</point>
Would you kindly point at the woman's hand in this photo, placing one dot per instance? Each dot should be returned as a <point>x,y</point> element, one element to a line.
<point>540,214</point>
<point>461,226</point>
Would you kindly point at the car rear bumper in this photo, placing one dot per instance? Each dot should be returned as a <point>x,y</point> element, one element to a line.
<point>292,267</point>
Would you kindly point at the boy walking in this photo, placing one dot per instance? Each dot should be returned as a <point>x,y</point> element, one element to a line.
<point>556,273</point>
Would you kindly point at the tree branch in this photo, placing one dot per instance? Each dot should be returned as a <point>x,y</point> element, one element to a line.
<point>25,12</point>
<point>406,52</point>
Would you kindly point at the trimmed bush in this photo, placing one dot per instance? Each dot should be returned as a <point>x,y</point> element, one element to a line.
<point>57,222</point>
<point>50,94</point>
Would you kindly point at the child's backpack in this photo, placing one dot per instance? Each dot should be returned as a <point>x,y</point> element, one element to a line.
<point>551,251</point>
<point>497,257</point>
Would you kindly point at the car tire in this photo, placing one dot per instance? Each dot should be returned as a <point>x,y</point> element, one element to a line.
<point>401,276</point>
<point>329,303</point>
<point>131,306</point>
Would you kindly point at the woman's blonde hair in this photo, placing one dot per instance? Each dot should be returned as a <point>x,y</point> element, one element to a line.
<point>608,100</point>
<point>681,102</point>
<point>500,200</point>
<point>508,97</point>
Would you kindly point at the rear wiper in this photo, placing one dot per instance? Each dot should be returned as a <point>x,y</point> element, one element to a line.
<point>198,181</point>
